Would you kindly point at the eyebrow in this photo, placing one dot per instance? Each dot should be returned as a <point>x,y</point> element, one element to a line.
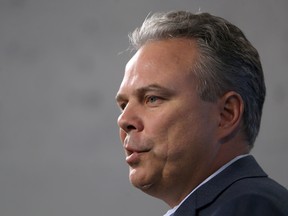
<point>141,91</point>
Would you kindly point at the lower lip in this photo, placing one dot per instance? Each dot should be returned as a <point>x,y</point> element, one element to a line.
<point>134,158</point>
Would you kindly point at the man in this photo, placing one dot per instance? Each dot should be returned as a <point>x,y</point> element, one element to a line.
<point>191,101</point>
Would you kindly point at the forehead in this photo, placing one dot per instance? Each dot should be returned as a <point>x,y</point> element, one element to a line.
<point>167,62</point>
<point>174,52</point>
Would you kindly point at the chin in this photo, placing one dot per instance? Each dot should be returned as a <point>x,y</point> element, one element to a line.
<point>139,180</point>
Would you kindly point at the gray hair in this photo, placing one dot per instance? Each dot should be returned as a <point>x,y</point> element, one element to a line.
<point>227,61</point>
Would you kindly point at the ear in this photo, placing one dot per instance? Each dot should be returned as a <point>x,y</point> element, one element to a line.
<point>231,107</point>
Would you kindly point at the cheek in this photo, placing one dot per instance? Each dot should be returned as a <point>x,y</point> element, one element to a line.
<point>191,137</point>
<point>183,136</point>
<point>175,133</point>
<point>168,133</point>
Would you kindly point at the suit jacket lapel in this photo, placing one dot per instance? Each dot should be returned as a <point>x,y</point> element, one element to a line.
<point>243,168</point>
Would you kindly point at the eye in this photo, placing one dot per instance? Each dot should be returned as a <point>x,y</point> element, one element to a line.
<point>152,100</point>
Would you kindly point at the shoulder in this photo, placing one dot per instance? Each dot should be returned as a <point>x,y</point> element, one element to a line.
<point>251,196</point>
<point>258,186</point>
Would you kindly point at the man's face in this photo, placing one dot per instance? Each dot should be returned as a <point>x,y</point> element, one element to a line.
<point>167,131</point>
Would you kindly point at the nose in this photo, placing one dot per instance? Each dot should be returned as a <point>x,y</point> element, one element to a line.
<point>130,120</point>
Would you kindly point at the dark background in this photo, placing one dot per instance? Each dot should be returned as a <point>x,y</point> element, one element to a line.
<point>61,62</point>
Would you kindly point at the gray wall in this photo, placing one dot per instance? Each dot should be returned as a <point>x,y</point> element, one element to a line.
<point>61,62</point>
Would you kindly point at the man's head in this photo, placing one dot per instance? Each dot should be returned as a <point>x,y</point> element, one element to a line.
<point>227,61</point>
<point>189,98</point>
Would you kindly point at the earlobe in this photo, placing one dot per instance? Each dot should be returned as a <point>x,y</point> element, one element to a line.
<point>231,112</point>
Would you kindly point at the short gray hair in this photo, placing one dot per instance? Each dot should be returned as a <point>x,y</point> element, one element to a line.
<point>227,60</point>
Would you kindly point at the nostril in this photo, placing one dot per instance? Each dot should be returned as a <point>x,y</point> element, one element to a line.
<point>130,127</point>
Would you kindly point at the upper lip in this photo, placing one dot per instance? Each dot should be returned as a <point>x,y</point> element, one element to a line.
<point>130,149</point>
<point>134,147</point>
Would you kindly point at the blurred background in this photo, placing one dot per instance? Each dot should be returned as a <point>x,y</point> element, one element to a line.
<point>61,62</point>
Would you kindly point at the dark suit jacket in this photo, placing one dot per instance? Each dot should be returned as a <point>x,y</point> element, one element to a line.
<point>243,189</point>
